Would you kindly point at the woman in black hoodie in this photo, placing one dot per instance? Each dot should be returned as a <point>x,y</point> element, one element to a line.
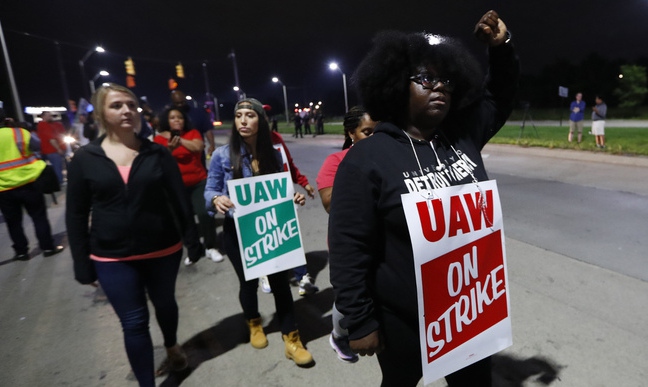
<point>427,92</point>
<point>124,198</point>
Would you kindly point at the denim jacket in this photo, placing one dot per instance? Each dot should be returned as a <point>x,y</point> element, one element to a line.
<point>220,172</point>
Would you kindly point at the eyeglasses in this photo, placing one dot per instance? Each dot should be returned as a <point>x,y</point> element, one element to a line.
<point>430,82</point>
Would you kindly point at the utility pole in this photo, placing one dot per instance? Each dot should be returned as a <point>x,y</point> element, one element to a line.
<point>12,81</point>
<point>232,56</point>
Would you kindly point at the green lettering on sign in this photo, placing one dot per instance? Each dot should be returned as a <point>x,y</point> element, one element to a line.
<point>271,190</point>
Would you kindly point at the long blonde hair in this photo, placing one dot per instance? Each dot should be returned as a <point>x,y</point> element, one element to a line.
<point>99,99</point>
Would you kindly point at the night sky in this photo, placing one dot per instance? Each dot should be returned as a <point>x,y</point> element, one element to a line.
<point>293,40</point>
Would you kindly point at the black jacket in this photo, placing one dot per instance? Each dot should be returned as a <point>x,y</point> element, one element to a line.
<point>371,256</point>
<point>149,213</point>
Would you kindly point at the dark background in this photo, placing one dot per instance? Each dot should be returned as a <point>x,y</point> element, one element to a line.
<point>576,44</point>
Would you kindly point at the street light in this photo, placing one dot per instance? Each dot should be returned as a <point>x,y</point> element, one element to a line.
<point>276,80</point>
<point>87,55</point>
<point>102,73</point>
<point>239,92</point>
<point>334,66</point>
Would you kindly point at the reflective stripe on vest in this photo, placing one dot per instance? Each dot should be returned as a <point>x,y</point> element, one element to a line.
<point>22,148</point>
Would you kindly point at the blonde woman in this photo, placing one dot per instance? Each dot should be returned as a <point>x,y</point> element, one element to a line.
<point>123,195</point>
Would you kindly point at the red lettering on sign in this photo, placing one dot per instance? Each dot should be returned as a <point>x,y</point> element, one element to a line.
<point>465,215</point>
<point>475,209</point>
<point>430,232</point>
<point>458,221</point>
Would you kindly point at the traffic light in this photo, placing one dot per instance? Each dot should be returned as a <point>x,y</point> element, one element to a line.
<point>130,66</point>
<point>130,81</point>
<point>179,70</point>
<point>172,84</point>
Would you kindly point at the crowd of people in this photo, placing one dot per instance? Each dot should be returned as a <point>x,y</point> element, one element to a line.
<point>143,187</point>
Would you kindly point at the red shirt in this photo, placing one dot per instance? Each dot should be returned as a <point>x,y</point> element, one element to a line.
<point>189,162</point>
<point>326,175</point>
<point>47,131</point>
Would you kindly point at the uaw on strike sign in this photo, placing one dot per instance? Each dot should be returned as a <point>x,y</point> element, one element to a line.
<point>463,298</point>
<point>266,224</point>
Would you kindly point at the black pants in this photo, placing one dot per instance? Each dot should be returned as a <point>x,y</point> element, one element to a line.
<point>248,297</point>
<point>11,205</point>
<point>298,131</point>
<point>206,223</point>
<point>400,361</point>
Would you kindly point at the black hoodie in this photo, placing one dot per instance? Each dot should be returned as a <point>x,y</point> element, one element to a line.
<point>371,258</point>
<point>147,214</point>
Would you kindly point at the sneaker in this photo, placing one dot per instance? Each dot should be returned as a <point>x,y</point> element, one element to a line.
<point>265,285</point>
<point>189,262</point>
<point>214,255</point>
<point>341,346</point>
<point>21,257</point>
<point>306,286</point>
<point>54,251</point>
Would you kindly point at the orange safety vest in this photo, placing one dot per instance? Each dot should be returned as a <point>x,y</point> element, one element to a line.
<point>18,166</point>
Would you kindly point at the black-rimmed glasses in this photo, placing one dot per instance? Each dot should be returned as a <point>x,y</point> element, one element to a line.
<point>430,82</point>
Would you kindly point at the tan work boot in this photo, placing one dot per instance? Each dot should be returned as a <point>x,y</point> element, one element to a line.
<point>257,337</point>
<point>295,349</point>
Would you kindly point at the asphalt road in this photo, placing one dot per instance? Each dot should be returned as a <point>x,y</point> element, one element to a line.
<point>574,223</point>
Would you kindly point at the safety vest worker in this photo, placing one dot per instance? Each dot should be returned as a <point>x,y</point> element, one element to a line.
<point>18,165</point>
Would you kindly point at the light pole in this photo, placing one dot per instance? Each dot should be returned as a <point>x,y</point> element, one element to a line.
<point>12,81</point>
<point>87,55</point>
<point>276,80</point>
<point>102,73</point>
<point>239,92</point>
<point>334,66</point>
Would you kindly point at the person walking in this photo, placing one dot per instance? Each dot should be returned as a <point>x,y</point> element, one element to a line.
<point>357,126</point>
<point>19,169</point>
<point>250,153</point>
<point>576,116</point>
<point>199,119</point>
<point>298,126</point>
<point>599,111</point>
<point>306,119</point>
<point>53,147</point>
<point>437,116</point>
<point>186,146</point>
<point>127,211</point>
<point>319,122</point>
<point>301,277</point>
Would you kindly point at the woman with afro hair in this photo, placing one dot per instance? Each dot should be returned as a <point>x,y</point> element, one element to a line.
<point>436,114</point>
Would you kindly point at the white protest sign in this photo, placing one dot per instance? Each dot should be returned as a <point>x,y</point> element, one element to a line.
<point>266,224</point>
<point>461,276</point>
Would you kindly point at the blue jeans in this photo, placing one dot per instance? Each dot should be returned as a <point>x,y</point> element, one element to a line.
<point>57,164</point>
<point>126,285</point>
